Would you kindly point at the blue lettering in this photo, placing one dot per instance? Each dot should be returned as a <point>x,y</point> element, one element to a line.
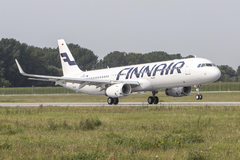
<point>71,63</point>
<point>161,69</point>
<point>128,73</point>
<point>147,71</point>
<point>167,70</point>
<point>119,74</point>
<point>177,68</point>
<point>135,71</point>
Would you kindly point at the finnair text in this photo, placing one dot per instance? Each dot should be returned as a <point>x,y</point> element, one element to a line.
<point>161,69</point>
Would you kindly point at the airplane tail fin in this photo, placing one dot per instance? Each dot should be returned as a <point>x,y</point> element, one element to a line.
<point>69,66</point>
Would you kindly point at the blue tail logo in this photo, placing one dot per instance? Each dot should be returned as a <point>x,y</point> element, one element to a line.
<point>71,63</point>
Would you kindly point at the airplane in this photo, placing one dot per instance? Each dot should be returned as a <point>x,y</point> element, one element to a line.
<point>175,76</point>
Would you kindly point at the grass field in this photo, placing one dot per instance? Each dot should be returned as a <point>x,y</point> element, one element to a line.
<point>120,132</point>
<point>141,97</point>
<point>112,132</point>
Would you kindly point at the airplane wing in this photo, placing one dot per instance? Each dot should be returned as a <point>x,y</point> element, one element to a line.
<point>82,81</point>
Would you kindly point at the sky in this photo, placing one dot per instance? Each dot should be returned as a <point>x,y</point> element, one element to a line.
<point>205,28</point>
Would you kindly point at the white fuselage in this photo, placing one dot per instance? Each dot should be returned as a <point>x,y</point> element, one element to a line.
<point>176,76</point>
<point>151,76</point>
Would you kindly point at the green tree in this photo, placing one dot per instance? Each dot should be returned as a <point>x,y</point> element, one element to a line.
<point>9,50</point>
<point>52,57</point>
<point>36,60</point>
<point>160,56</point>
<point>115,59</point>
<point>135,58</point>
<point>238,73</point>
<point>84,58</point>
<point>4,82</point>
<point>228,74</point>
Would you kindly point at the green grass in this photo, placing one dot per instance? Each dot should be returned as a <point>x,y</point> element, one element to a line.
<point>202,132</point>
<point>141,97</point>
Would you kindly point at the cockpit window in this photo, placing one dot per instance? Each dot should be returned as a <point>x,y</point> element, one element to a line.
<point>206,65</point>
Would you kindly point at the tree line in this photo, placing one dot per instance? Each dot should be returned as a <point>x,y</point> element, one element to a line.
<point>46,61</point>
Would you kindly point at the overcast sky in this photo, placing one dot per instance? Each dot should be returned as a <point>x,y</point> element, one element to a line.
<point>205,28</point>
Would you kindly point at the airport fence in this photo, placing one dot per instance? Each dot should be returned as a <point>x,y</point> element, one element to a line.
<point>35,90</point>
<point>221,86</point>
<point>217,86</point>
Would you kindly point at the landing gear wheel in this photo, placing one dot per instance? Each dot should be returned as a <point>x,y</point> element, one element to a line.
<point>150,100</point>
<point>199,97</point>
<point>155,100</point>
<point>110,100</point>
<point>115,101</point>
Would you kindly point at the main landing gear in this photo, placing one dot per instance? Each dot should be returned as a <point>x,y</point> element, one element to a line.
<point>112,101</point>
<point>198,96</point>
<point>153,99</point>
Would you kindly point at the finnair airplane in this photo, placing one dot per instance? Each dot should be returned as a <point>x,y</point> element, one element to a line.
<point>175,76</point>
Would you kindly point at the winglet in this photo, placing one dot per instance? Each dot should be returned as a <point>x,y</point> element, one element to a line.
<point>20,68</point>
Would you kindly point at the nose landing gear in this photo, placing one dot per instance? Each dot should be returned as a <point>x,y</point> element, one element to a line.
<point>198,96</point>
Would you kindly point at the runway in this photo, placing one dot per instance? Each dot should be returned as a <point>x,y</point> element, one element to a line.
<point>121,104</point>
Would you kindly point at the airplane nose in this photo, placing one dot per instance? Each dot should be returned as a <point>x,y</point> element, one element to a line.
<point>216,74</point>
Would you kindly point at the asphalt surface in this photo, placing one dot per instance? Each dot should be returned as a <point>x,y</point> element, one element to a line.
<point>199,103</point>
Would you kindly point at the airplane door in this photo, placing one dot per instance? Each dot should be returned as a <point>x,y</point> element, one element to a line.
<point>188,67</point>
<point>113,76</point>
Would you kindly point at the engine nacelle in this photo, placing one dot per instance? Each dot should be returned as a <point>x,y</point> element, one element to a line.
<point>118,90</point>
<point>179,91</point>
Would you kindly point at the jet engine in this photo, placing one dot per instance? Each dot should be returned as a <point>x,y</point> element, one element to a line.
<point>118,90</point>
<point>179,91</point>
